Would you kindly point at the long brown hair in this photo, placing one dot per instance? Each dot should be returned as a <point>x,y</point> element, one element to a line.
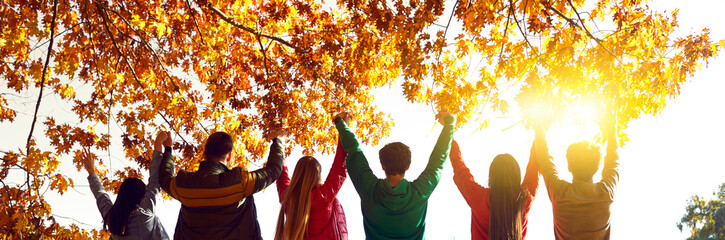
<point>506,199</point>
<point>297,200</point>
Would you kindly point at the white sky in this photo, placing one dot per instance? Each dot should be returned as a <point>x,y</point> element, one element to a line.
<point>668,158</point>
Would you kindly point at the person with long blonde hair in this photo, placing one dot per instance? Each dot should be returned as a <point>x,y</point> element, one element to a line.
<point>310,209</point>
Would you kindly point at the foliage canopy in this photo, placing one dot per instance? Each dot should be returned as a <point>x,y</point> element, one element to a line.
<point>245,67</point>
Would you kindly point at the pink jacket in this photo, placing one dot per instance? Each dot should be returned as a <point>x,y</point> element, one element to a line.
<point>327,219</point>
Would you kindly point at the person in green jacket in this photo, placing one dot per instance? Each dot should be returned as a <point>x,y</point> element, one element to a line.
<point>392,207</point>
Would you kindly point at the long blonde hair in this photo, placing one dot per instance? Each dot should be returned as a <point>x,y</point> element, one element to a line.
<point>297,200</point>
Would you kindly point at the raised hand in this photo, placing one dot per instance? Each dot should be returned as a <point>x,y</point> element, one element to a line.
<point>169,141</point>
<point>442,115</point>
<point>161,138</point>
<point>276,133</point>
<point>345,116</point>
<point>88,161</point>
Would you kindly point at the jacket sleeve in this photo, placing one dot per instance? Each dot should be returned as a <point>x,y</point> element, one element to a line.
<point>431,175</point>
<point>102,200</point>
<point>531,178</point>
<point>282,182</point>
<point>610,171</point>
<point>472,192</point>
<point>554,183</point>
<point>361,175</point>
<point>336,177</point>
<point>263,177</point>
<point>166,171</point>
<point>148,201</point>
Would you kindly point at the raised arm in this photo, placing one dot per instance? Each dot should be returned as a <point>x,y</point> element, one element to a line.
<point>610,172</point>
<point>166,171</point>
<point>531,178</point>
<point>546,165</point>
<point>103,202</point>
<point>282,182</point>
<point>361,175</point>
<point>264,176</point>
<point>472,192</point>
<point>431,175</point>
<point>337,175</point>
<point>148,201</point>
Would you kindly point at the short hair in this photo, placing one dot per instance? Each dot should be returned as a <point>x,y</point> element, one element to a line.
<point>217,146</point>
<point>584,159</point>
<point>395,158</point>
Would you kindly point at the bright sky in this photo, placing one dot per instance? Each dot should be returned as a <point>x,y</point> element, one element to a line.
<point>668,158</point>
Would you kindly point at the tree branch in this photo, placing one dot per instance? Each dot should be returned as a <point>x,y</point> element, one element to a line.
<point>572,22</point>
<point>248,29</point>
<point>42,85</point>
<point>192,13</point>
<point>524,34</point>
<point>505,30</point>
<point>135,77</point>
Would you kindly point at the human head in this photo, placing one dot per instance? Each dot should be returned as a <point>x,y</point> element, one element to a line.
<point>395,158</point>
<point>296,201</point>
<point>504,172</point>
<point>584,159</point>
<point>218,146</point>
<point>129,195</point>
<point>506,198</point>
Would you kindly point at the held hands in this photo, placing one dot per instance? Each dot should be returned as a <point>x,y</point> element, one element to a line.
<point>276,133</point>
<point>441,116</point>
<point>345,116</point>
<point>163,139</point>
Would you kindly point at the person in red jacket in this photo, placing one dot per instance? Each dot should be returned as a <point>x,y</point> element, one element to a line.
<point>501,210</point>
<point>310,209</point>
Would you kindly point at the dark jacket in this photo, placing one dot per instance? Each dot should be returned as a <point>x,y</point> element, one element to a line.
<point>217,203</point>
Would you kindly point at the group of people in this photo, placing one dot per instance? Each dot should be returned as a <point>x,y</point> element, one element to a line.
<point>218,202</point>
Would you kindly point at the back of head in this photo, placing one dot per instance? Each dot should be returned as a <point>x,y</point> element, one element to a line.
<point>584,159</point>
<point>395,158</point>
<point>506,198</point>
<point>129,195</point>
<point>297,201</point>
<point>217,146</point>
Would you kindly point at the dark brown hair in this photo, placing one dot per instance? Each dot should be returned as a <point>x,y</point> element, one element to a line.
<point>506,199</point>
<point>129,195</point>
<point>395,158</point>
<point>217,146</point>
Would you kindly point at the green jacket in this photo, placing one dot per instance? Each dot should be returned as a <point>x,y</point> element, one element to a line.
<point>394,212</point>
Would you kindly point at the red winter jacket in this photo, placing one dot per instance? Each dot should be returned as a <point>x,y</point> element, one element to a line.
<point>477,196</point>
<point>327,219</point>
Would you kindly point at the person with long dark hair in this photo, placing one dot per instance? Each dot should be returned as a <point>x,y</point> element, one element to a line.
<point>132,215</point>
<point>310,209</point>
<point>499,211</point>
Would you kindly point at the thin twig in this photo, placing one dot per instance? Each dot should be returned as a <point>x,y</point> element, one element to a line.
<point>248,29</point>
<point>524,34</point>
<point>572,22</point>
<point>192,13</point>
<point>508,19</point>
<point>42,85</point>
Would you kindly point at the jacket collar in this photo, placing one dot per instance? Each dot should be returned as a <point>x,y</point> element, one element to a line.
<point>213,167</point>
